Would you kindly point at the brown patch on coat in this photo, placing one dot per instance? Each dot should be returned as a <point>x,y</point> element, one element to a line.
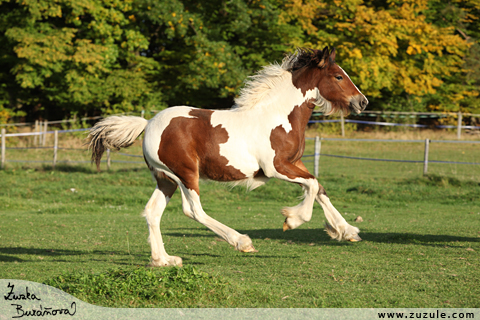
<point>190,147</point>
<point>164,183</point>
<point>321,190</point>
<point>306,79</point>
<point>289,147</point>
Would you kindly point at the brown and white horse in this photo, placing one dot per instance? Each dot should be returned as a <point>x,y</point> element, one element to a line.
<point>261,137</point>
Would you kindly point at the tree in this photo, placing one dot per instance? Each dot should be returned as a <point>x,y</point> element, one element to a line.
<point>63,57</point>
<point>459,92</point>
<point>205,50</point>
<point>71,56</point>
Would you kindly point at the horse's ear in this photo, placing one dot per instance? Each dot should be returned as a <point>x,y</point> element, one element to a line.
<point>324,58</point>
<point>332,56</point>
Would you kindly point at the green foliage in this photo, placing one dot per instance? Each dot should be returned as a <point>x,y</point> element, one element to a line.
<point>74,56</point>
<point>205,50</point>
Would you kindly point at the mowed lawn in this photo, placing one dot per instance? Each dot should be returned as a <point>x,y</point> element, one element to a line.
<point>73,226</point>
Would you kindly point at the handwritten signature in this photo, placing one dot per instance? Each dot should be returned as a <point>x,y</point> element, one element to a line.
<point>27,296</point>
<point>44,311</point>
<point>39,312</point>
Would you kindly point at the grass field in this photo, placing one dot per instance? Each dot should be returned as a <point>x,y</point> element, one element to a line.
<point>82,232</point>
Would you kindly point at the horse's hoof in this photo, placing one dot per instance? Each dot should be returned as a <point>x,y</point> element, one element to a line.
<point>249,249</point>
<point>355,238</point>
<point>286,226</point>
<point>173,261</point>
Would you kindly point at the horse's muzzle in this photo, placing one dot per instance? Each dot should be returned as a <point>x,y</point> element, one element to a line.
<point>358,103</point>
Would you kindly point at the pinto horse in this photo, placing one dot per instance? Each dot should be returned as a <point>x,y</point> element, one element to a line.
<point>261,137</point>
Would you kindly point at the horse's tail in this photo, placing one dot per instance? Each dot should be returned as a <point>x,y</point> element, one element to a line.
<point>113,133</point>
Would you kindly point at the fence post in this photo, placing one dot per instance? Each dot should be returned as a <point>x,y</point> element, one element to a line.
<point>45,126</point>
<point>40,129</point>
<point>108,159</point>
<point>342,121</point>
<point>425,158</point>
<point>55,148</point>
<point>35,137</point>
<point>3,148</point>
<point>316,165</point>
<point>459,126</point>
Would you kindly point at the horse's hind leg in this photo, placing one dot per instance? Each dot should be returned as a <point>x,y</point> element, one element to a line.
<point>153,214</point>
<point>193,209</point>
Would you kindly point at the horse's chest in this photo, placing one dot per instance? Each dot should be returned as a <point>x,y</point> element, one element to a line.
<point>288,145</point>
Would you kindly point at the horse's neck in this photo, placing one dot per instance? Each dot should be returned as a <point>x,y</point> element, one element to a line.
<point>293,118</point>
<point>286,102</point>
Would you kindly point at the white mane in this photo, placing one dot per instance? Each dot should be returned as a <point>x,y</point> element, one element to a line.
<point>258,88</point>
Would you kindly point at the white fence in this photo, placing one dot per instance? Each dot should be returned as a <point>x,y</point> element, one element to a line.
<point>459,116</point>
<point>316,155</point>
<point>425,160</point>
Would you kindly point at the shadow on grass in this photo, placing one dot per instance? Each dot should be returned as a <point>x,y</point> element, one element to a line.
<point>88,169</point>
<point>10,259</point>
<point>319,237</point>
<point>12,254</point>
<point>69,168</point>
<point>419,239</point>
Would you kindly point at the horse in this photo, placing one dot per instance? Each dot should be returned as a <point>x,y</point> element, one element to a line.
<point>262,136</point>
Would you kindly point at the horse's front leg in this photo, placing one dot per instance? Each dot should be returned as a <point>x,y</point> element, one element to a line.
<point>301,213</point>
<point>337,227</point>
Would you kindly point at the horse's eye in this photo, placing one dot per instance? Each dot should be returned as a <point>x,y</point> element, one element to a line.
<point>339,78</point>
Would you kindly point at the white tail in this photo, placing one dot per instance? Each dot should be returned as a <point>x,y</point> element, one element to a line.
<point>113,133</point>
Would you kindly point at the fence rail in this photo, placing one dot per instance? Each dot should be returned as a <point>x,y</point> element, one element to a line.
<point>391,124</point>
<point>316,155</point>
<point>425,161</point>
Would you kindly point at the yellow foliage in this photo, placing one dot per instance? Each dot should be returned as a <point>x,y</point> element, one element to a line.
<point>4,116</point>
<point>390,48</point>
<point>302,11</point>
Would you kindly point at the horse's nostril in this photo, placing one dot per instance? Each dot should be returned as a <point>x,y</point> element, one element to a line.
<point>364,103</point>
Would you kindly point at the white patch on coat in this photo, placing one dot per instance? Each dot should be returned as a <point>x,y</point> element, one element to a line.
<point>353,83</point>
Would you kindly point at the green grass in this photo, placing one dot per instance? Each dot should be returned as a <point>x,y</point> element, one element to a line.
<point>421,238</point>
<point>142,287</point>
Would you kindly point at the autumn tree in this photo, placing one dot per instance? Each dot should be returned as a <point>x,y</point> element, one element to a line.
<point>395,54</point>
<point>463,86</point>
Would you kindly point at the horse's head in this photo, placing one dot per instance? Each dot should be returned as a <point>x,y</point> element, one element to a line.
<point>317,70</point>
